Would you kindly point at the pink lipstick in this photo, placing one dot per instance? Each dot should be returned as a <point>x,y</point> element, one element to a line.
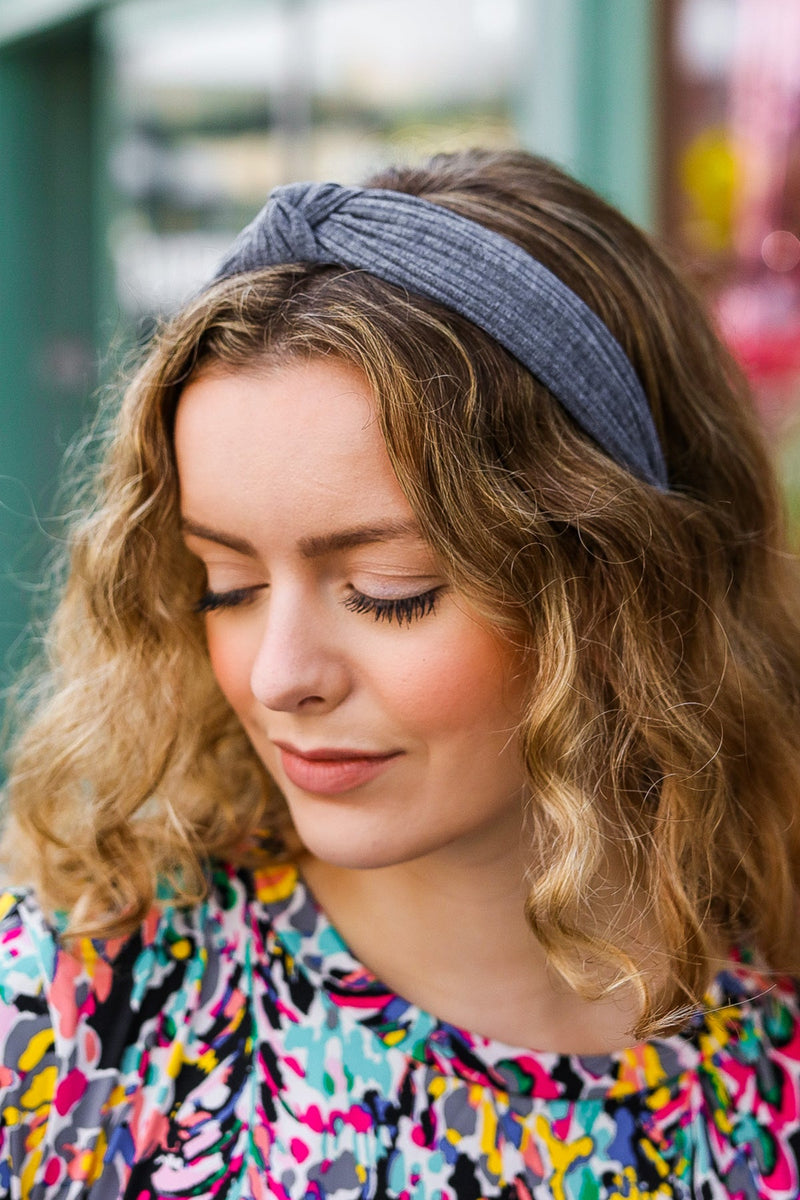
<point>327,772</point>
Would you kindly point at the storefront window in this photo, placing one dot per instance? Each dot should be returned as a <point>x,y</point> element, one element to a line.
<point>214,105</point>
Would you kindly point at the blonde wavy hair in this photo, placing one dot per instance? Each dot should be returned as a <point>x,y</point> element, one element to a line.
<point>662,629</point>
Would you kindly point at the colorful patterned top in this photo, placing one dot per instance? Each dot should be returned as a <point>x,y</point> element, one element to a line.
<point>237,1049</point>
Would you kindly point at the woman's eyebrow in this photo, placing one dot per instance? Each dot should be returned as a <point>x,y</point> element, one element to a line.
<point>360,535</point>
<point>240,545</point>
<point>316,545</point>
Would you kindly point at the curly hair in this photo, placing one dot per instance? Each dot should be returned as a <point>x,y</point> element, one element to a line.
<point>661,629</point>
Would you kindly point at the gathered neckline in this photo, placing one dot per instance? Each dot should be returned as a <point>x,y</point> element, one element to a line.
<point>305,932</point>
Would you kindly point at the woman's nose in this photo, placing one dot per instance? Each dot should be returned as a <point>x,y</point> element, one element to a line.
<point>298,664</point>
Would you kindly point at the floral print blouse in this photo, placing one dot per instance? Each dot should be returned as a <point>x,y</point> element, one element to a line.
<point>237,1049</point>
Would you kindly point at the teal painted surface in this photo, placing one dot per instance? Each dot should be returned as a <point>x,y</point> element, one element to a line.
<point>27,18</point>
<point>17,433</point>
<point>588,99</point>
<point>547,99</point>
<point>47,306</point>
<point>616,103</point>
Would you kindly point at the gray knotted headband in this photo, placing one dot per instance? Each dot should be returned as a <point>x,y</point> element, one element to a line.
<point>427,249</point>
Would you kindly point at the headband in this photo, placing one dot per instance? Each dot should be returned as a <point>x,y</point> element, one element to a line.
<point>433,252</point>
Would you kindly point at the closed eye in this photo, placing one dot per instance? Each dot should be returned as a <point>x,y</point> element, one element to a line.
<point>402,609</point>
<point>211,601</point>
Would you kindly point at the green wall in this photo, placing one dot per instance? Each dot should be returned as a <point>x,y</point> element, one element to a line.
<point>588,97</point>
<point>48,301</point>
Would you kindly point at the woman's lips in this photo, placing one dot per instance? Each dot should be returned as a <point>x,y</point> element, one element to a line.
<point>328,772</point>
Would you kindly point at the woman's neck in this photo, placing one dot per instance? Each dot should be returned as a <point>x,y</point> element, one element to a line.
<point>453,939</point>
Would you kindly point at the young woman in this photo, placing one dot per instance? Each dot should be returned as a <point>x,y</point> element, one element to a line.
<point>409,804</point>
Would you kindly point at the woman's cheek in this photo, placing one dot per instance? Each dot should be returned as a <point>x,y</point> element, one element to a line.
<point>456,679</point>
<point>231,659</point>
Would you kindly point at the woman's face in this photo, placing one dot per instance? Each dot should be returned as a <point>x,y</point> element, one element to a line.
<point>381,704</point>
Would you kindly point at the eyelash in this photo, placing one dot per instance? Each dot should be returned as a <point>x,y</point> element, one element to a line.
<point>212,601</point>
<point>403,609</point>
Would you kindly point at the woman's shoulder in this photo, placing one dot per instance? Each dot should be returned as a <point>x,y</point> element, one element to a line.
<point>82,1023</point>
<point>751,1014</point>
<point>28,948</point>
<point>746,990</point>
<point>76,1009</point>
<point>35,957</point>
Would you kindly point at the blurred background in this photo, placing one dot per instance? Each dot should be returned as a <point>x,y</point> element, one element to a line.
<point>137,136</point>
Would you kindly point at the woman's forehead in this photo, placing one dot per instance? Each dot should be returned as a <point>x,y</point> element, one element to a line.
<point>298,441</point>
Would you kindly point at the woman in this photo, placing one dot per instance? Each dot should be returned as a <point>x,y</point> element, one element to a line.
<point>410,800</point>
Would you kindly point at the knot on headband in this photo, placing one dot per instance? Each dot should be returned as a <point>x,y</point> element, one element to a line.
<point>284,230</point>
<point>433,252</point>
